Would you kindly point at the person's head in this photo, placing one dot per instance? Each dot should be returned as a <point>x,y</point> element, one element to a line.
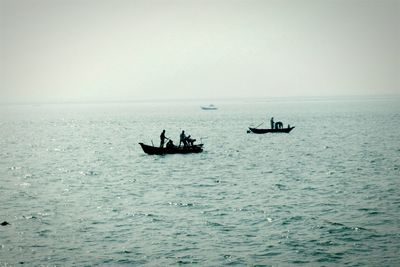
<point>183,131</point>
<point>163,131</point>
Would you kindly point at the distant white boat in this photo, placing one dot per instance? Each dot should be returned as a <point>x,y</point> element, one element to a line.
<point>209,107</point>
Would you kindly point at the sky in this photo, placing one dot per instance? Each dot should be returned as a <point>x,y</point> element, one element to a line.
<point>129,50</point>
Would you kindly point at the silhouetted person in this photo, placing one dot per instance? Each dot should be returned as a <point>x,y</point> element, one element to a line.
<point>272,123</point>
<point>182,139</point>
<point>162,139</point>
<point>278,125</point>
<point>190,141</point>
<point>170,144</point>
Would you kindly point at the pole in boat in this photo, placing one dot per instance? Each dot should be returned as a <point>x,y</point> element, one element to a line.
<point>259,125</point>
<point>248,131</point>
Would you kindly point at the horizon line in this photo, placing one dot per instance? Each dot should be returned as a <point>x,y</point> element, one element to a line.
<point>160,100</point>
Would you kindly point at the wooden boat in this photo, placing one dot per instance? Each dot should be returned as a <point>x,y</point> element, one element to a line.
<point>263,131</point>
<point>154,150</point>
<point>209,107</point>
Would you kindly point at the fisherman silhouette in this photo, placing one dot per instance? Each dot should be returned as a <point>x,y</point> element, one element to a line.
<point>182,139</point>
<point>170,144</point>
<point>162,138</point>
<point>278,125</point>
<point>190,140</point>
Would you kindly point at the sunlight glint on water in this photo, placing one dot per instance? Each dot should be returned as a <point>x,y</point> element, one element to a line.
<point>77,189</point>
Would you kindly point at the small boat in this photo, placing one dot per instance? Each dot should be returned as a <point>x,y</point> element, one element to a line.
<point>154,150</point>
<point>209,107</point>
<point>263,131</point>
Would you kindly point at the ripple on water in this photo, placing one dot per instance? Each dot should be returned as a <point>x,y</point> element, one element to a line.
<point>82,191</point>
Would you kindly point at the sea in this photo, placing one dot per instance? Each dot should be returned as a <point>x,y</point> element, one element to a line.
<point>76,189</point>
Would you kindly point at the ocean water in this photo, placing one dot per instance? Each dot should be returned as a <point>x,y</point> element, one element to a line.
<point>78,190</point>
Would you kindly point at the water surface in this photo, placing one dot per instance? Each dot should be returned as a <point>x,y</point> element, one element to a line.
<point>78,190</point>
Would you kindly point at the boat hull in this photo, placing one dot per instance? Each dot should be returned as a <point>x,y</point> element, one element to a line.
<point>153,150</point>
<point>263,131</point>
<point>209,107</point>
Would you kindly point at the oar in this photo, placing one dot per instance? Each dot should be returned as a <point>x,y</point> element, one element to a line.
<point>248,131</point>
<point>259,125</point>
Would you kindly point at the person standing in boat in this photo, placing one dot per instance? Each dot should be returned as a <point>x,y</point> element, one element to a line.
<point>272,123</point>
<point>162,139</point>
<point>182,139</point>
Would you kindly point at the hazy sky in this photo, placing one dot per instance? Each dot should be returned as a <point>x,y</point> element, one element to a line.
<point>96,50</point>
